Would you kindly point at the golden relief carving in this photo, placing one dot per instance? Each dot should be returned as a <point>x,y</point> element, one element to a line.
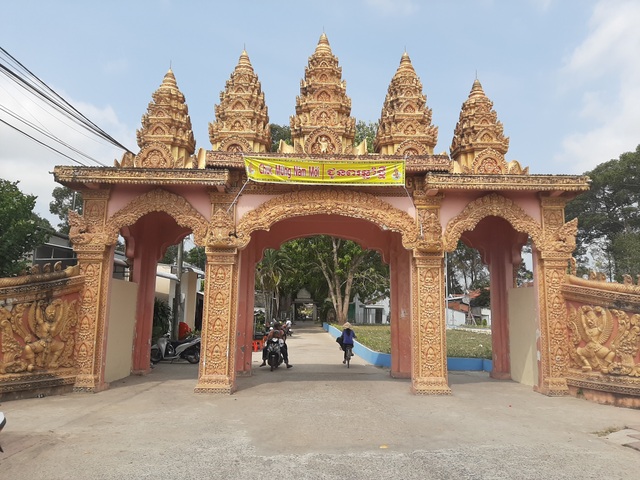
<point>429,351</point>
<point>349,203</point>
<point>217,374</point>
<point>158,200</point>
<point>38,335</point>
<point>597,348</point>
<point>491,205</point>
<point>221,231</point>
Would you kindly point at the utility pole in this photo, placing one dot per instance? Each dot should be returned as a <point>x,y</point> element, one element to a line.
<point>177,296</point>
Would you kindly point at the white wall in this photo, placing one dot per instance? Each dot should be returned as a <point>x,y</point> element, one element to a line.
<point>120,329</point>
<point>523,327</point>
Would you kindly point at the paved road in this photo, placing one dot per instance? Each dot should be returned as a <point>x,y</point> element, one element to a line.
<point>318,420</point>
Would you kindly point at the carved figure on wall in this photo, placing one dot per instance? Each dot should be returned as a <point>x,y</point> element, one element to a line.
<point>46,323</point>
<point>595,326</point>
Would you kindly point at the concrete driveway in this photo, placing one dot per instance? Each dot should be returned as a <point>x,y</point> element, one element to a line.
<point>318,420</point>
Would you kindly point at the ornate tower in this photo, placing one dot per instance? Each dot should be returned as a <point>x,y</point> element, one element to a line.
<point>322,124</point>
<point>405,122</point>
<point>242,121</point>
<point>479,145</point>
<point>165,139</point>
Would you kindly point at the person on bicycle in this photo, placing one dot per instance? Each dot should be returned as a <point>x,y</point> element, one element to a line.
<point>346,339</point>
<point>277,332</point>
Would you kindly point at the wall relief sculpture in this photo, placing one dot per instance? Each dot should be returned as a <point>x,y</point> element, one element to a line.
<point>605,340</point>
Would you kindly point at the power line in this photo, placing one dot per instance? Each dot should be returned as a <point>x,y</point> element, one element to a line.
<point>28,81</point>
<point>42,143</point>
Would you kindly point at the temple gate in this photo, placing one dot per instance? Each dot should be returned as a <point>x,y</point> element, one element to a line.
<point>167,191</point>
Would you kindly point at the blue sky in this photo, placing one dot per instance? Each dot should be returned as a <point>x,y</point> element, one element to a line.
<point>564,75</point>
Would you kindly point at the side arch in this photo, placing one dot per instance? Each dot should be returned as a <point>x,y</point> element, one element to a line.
<point>159,200</point>
<point>316,202</point>
<point>491,205</point>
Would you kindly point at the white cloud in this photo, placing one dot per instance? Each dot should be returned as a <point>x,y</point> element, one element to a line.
<point>394,7</point>
<point>24,160</point>
<point>605,65</point>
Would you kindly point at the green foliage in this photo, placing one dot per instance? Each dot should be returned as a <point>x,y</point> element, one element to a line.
<point>608,217</point>
<point>161,319</point>
<point>22,230</point>
<point>65,200</point>
<point>346,269</point>
<point>279,132</point>
<point>483,300</point>
<point>197,257</point>
<point>466,264</point>
<point>368,131</point>
<point>170,255</point>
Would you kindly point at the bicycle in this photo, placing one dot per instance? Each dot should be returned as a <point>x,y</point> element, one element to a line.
<point>348,353</point>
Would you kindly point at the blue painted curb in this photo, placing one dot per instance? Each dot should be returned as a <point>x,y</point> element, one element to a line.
<point>384,359</point>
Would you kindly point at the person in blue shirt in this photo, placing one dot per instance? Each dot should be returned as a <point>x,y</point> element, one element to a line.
<point>346,339</point>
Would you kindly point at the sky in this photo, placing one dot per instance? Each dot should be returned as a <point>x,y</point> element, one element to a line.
<point>563,75</point>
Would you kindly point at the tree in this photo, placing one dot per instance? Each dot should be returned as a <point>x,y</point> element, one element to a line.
<point>64,200</point>
<point>347,269</point>
<point>170,255</point>
<point>467,265</point>
<point>279,132</point>
<point>22,230</point>
<point>197,257</point>
<point>608,216</point>
<point>368,131</point>
<point>269,273</point>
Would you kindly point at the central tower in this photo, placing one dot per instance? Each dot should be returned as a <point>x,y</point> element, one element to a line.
<point>322,124</point>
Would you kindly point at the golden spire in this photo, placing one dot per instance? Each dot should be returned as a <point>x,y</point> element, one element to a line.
<point>479,144</point>
<point>322,124</point>
<point>242,120</point>
<point>167,123</point>
<point>405,122</point>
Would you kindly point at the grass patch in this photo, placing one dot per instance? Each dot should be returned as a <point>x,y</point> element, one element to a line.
<point>460,343</point>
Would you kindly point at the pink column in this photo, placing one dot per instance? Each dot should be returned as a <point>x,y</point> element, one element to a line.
<point>400,276</point>
<point>501,274</point>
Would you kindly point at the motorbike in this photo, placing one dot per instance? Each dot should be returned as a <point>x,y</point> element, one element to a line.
<point>3,422</point>
<point>274,355</point>
<point>287,328</point>
<point>165,349</point>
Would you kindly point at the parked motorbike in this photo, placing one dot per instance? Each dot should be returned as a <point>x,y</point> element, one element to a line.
<point>165,349</point>
<point>274,355</point>
<point>3,422</point>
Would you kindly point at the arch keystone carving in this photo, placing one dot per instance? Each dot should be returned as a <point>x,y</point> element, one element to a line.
<point>159,200</point>
<point>491,205</point>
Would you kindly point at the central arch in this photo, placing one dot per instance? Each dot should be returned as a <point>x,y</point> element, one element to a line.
<point>377,225</point>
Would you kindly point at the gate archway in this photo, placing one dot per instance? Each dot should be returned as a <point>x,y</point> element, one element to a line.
<point>438,199</point>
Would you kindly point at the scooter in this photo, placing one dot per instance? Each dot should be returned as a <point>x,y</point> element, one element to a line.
<point>187,349</point>
<point>3,422</point>
<point>274,355</point>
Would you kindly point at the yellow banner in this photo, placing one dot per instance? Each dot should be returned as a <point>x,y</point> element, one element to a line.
<point>323,172</point>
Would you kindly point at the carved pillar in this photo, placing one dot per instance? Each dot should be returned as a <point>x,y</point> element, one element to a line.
<point>217,366</point>
<point>219,319</point>
<point>95,257</point>
<point>555,252</point>
<point>429,372</point>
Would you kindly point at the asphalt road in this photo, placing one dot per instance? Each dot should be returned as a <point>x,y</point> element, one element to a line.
<point>318,420</point>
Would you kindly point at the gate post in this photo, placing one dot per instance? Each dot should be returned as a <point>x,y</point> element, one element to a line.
<point>429,365</point>
<point>217,372</point>
<point>555,251</point>
<point>95,257</point>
